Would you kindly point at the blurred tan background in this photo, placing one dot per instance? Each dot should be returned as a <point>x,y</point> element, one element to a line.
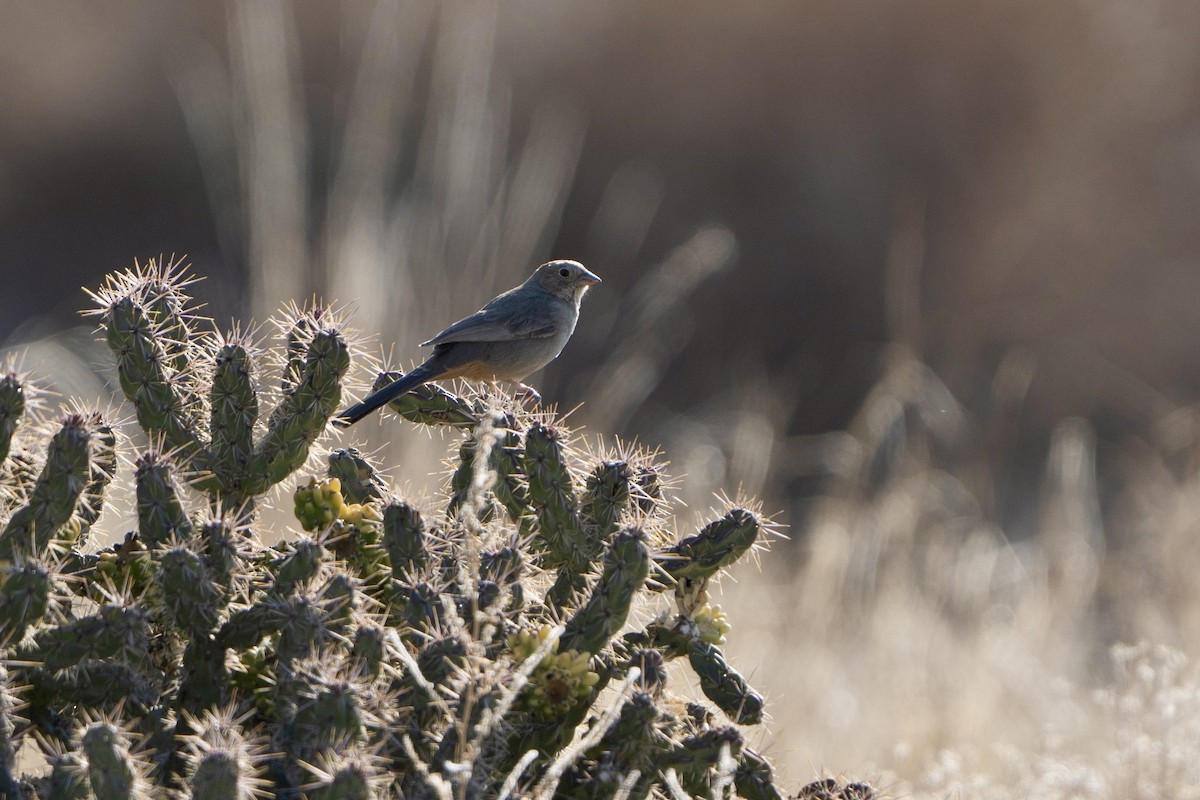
<point>921,275</point>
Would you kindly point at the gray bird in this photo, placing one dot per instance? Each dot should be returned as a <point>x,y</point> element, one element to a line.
<point>514,335</point>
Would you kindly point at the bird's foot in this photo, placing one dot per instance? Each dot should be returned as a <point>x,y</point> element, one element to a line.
<point>524,391</point>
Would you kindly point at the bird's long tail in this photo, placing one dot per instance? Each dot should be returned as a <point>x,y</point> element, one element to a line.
<point>422,374</point>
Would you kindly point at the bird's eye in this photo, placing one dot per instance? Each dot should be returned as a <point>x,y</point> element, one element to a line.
<point>566,273</point>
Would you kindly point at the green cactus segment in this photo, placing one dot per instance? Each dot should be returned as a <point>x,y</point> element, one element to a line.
<point>637,741</point>
<point>9,705</point>
<point>429,404</point>
<point>111,771</point>
<point>369,651</point>
<point>668,640</point>
<point>405,538</point>
<point>68,779</point>
<point>300,621</point>
<point>330,716</point>
<point>648,493</point>
<point>606,496</point>
<point>652,670</point>
<point>219,543</point>
<point>114,632</point>
<point>93,685</point>
<point>166,306</point>
<point>340,599</point>
<point>148,381</point>
<point>723,685</point>
<point>718,545</point>
<point>463,479</point>
<point>217,776</point>
<point>55,496</point>
<point>421,604</point>
<point>233,412</point>
<point>103,469</point>
<point>19,475</point>
<point>696,756</point>
<point>503,567</point>
<point>499,571</point>
<point>302,628</point>
<point>299,336</point>
<point>626,566</point>
<point>247,627</point>
<point>344,776</point>
<point>192,601</point>
<point>297,567</point>
<point>302,415</point>
<point>440,658</point>
<point>511,488</point>
<point>25,593</point>
<point>754,778</point>
<point>506,462</point>
<point>12,408</point>
<point>220,759</point>
<point>161,518</point>
<point>360,482</point>
<point>552,494</point>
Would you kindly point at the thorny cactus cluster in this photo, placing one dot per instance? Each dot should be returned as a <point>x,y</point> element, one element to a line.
<point>484,650</point>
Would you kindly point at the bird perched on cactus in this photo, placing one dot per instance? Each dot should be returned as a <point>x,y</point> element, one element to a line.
<point>513,336</point>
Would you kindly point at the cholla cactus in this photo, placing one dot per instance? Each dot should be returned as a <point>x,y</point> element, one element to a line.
<point>164,360</point>
<point>379,649</point>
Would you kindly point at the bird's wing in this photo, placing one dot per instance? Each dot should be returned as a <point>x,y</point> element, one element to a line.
<point>510,316</point>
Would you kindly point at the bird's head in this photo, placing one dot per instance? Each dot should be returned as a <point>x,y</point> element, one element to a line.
<point>566,279</point>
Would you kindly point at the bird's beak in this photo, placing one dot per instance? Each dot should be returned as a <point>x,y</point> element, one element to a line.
<point>588,277</point>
